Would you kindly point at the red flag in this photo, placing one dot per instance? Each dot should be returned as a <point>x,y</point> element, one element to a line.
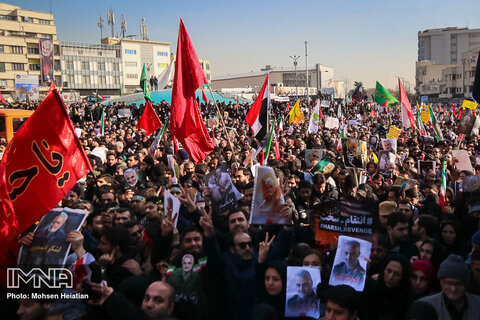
<point>277,150</point>
<point>407,114</point>
<point>454,110</point>
<point>2,99</point>
<point>175,145</point>
<point>40,166</point>
<point>149,120</point>
<point>373,114</point>
<point>204,97</point>
<point>52,88</point>
<point>186,122</point>
<point>288,107</point>
<point>320,113</point>
<point>459,114</point>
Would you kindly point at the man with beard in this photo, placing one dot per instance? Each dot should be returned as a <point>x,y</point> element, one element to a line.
<point>398,240</point>
<point>305,300</point>
<point>349,271</point>
<point>242,177</point>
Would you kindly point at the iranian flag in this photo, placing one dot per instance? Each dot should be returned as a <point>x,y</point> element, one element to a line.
<point>339,145</point>
<point>203,262</point>
<point>257,117</point>
<point>443,188</point>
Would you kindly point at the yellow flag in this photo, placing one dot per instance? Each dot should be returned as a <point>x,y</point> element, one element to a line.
<point>295,115</point>
<point>375,158</point>
<point>469,104</point>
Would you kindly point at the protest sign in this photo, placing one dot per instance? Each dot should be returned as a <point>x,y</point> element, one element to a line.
<point>224,193</point>
<point>302,299</point>
<point>390,145</point>
<point>463,162</point>
<point>465,125</point>
<point>424,167</point>
<point>386,161</point>
<point>354,152</point>
<point>171,206</point>
<point>469,104</point>
<point>331,123</point>
<point>425,116</point>
<point>267,198</point>
<point>49,246</point>
<point>311,155</point>
<point>350,264</point>
<point>393,132</point>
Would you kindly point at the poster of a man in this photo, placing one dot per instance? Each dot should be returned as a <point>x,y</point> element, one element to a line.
<point>171,207</point>
<point>267,198</point>
<point>466,123</point>
<point>46,59</point>
<point>49,246</point>
<point>311,155</point>
<point>350,262</point>
<point>224,193</point>
<point>302,299</point>
<point>386,161</point>
<point>131,177</point>
<point>390,145</point>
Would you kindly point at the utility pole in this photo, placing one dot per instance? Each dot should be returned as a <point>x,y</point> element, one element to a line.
<point>306,69</point>
<point>295,58</point>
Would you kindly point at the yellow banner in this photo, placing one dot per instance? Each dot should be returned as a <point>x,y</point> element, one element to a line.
<point>425,116</point>
<point>469,104</point>
<point>394,132</point>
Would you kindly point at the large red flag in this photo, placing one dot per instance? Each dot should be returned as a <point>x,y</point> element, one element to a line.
<point>40,166</point>
<point>52,88</point>
<point>186,122</point>
<point>149,120</point>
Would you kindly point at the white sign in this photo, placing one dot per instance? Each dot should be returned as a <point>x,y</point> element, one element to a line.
<point>331,123</point>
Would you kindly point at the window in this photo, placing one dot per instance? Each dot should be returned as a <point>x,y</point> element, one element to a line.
<point>130,64</point>
<point>459,76</point>
<point>132,76</point>
<point>101,66</point>
<point>130,51</point>
<point>162,53</point>
<point>2,17</point>
<point>33,50</point>
<point>2,66</point>
<point>2,49</point>
<point>102,80</point>
<point>69,65</point>
<point>85,65</point>
<point>18,66</point>
<point>34,67</point>
<point>16,49</point>
<point>27,19</point>
<point>459,89</point>
<point>100,53</point>
<point>208,66</point>
<point>42,21</point>
<point>116,66</point>
<point>86,79</point>
<point>116,80</point>
<point>47,36</point>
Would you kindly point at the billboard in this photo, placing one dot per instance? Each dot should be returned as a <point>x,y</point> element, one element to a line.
<point>26,85</point>
<point>46,59</point>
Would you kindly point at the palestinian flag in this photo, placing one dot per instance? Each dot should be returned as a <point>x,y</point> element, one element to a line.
<point>257,117</point>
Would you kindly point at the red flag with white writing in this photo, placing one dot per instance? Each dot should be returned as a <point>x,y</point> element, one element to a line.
<point>149,120</point>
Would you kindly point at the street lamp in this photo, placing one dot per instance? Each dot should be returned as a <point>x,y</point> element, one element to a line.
<point>295,58</point>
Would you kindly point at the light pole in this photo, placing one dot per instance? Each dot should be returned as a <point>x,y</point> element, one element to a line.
<point>306,69</point>
<point>295,58</point>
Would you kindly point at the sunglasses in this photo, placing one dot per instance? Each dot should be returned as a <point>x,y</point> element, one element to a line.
<point>243,245</point>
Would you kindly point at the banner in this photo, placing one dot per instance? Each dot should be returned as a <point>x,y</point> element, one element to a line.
<point>425,116</point>
<point>354,152</point>
<point>46,49</point>
<point>26,85</point>
<point>469,104</point>
<point>393,132</point>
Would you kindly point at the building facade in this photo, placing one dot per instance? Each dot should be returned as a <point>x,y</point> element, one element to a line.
<point>91,68</point>
<point>135,53</point>
<point>447,82</point>
<point>20,34</point>
<point>284,81</point>
<point>206,68</point>
<point>446,45</point>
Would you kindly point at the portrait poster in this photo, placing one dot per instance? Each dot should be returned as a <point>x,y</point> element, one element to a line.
<point>350,264</point>
<point>133,178</point>
<point>249,157</point>
<point>26,85</point>
<point>424,167</point>
<point>171,164</point>
<point>312,154</point>
<point>405,183</point>
<point>466,122</point>
<point>267,198</point>
<point>224,193</point>
<point>463,158</point>
<point>390,145</point>
<point>171,206</point>
<point>354,152</point>
<point>49,247</point>
<point>373,143</point>
<point>46,49</point>
<point>386,161</point>
<point>302,299</point>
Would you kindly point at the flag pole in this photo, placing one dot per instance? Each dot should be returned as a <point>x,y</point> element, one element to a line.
<point>223,123</point>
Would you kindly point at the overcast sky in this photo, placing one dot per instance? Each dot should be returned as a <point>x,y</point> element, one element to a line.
<point>364,40</point>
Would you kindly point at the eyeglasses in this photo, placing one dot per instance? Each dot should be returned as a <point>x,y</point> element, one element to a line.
<point>244,245</point>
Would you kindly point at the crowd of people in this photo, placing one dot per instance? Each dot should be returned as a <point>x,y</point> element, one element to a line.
<point>209,262</point>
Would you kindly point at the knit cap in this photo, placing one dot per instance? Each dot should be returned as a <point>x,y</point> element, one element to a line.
<point>454,267</point>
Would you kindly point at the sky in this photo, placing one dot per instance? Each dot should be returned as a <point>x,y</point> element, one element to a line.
<point>364,40</point>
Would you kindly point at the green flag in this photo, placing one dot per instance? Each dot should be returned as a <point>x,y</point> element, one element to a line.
<point>144,84</point>
<point>383,97</point>
<point>269,143</point>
